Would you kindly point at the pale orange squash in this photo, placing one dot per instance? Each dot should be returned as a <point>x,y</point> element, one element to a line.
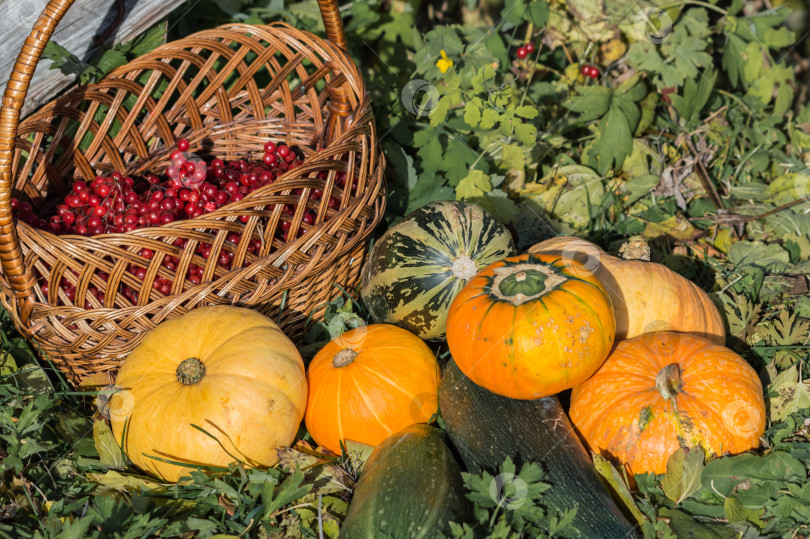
<point>646,296</point>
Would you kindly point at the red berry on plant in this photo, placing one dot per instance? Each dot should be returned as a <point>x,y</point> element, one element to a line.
<point>522,52</point>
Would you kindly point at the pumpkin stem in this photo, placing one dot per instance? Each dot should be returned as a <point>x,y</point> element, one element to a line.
<point>343,358</point>
<point>524,282</point>
<point>190,371</point>
<point>668,381</point>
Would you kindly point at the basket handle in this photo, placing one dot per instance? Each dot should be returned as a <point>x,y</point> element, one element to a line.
<point>19,277</point>
<point>333,23</point>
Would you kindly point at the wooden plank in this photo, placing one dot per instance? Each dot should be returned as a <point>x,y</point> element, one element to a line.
<point>85,20</point>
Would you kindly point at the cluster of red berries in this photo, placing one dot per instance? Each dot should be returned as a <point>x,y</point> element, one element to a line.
<point>192,187</point>
<point>525,50</point>
<point>589,71</point>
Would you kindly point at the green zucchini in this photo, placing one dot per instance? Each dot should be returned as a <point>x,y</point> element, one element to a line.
<point>486,428</point>
<point>410,487</point>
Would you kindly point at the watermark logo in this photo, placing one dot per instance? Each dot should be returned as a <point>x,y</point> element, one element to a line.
<point>658,325</point>
<point>189,169</point>
<point>742,418</point>
<point>351,339</point>
<point>24,13</point>
<point>115,403</point>
<point>653,24</point>
<point>419,97</point>
<point>423,407</point>
<point>585,255</point>
<point>508,490</point>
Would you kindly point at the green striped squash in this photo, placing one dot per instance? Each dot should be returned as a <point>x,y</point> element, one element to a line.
<point>419,265</point>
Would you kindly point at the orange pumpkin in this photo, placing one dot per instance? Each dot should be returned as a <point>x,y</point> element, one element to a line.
<point>659,391</point>
<point>369,383</point>
<point>646,296</point>
<point>527,326</point>
<point>228,370</point>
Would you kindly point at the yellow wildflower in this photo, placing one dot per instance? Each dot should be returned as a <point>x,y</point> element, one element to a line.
<point>444,62</point>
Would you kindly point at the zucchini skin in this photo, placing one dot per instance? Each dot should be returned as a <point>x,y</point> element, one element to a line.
<point>485,428</point>
<point>410,487</point>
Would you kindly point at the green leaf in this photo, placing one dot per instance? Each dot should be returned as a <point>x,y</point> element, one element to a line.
<point>537,13</point>
<point>110,60</point>
<point>685,526</point>
<point>724,475</point>
<point>497,203</point>
<point>733,58</point>
<point>428,188</point>
<point>735,512</point>
<point>614,142</point>
<point>108,450</point>
<point>526,133</point>
<point>779,37</point>
<point>591,103</point>
<point>513,11</point>
<point>513,156</point>
<point>147,42</point>
<point>683,474</point>
<point>771,257</point>
<point>488,119</point>
<point>458,158</point>
<point>648,105</point>
<point>76,528</point>
<point>472,114</point>
<point>286,493</point>
<point>475,184</point>
<point>444,37</point>
<point>526,111</point>
<point>695,96</point>
<point>439,113</point>
<point>63,59</point>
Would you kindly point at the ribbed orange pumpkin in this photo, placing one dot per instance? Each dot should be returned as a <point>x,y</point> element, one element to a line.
<point>368,383</point>
<point>661,390</point>
<point>228,370</point>
<point>646,296</point>
<point>528,326</point>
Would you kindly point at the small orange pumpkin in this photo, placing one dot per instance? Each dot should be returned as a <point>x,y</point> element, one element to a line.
<point>527,326</point>
<point>368,383</point>
<point>659,391</point>
<point>646,296</point>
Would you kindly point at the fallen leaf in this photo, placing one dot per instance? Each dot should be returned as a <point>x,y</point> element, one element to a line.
<point>109,452</point>
<point>788,394</point>
<point>683,474</point>
<point>677,227</point>
<point>611,475</point>
<point>123,483</point>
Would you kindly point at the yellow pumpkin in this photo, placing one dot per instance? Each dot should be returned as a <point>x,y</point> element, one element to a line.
<point>646,296</point>
<point>228,370</point>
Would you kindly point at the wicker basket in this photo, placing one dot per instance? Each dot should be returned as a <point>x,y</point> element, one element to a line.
<point>226,90</point>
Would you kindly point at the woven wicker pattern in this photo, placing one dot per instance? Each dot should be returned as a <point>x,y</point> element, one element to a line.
<point>227,91</point>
